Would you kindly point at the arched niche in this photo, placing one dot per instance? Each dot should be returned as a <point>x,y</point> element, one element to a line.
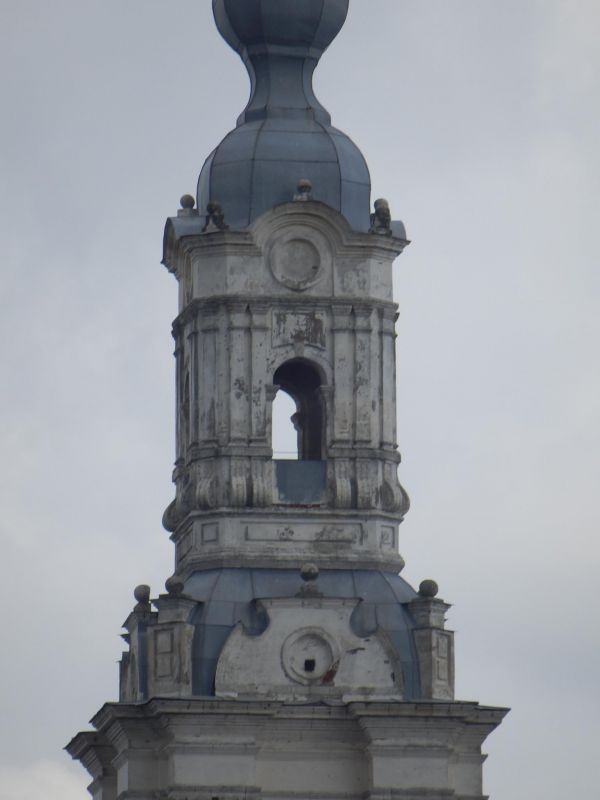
<point>302,381</point>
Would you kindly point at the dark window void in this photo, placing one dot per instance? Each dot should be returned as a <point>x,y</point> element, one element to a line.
<point>302,382</point>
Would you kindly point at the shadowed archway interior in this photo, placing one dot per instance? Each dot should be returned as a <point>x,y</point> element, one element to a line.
<point>302,382</point>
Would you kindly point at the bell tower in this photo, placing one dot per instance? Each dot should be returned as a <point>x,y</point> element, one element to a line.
<point>287,657</point>
<point>285,284</point>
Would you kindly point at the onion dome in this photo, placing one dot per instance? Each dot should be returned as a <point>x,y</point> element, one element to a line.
<point>284,135</point>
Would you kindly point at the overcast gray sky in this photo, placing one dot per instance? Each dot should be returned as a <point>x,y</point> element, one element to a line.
<point>480,122</point>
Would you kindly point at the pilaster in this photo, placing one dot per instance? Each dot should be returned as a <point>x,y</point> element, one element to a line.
<point>387,329</point>
<point>343,375</point>
<point>364,390</point>
<point>434,644</point>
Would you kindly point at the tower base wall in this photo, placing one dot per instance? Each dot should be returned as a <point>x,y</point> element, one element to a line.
<point>205,749</point>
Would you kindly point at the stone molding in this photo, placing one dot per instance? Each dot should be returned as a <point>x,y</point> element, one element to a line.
<point>182,236</point>
<point>362,743</point>
<point>285,537</point>
<point>229,347</point>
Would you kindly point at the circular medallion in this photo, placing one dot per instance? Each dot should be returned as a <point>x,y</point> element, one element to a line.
<point>296,260</point>
<point>308,655</point>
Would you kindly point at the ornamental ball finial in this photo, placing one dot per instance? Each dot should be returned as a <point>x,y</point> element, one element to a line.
<point>309,572</point>
<point>187,201</point>
<point>174,585</point>
<point>142,593</point>
<point>428,589</point>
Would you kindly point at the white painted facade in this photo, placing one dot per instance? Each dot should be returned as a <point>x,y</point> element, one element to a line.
<point>288,659</point>
<point>206,749</point>
<point>298,286</point>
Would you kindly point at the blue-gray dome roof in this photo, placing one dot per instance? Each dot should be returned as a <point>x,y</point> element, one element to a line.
<point>228,596</point>
<point>258,165</point>
<point>284,134</point>
<point>308,24</point>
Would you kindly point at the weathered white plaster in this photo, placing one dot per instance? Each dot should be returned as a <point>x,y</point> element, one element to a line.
<point>299,285</point>
<point>286,537</point>
<point>304,707</point>
<point>202,749</point>
<point>308,651</point>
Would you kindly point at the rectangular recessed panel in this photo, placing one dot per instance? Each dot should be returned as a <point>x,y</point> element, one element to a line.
<point>210,532</point>
<point>164,641</point>
<point>164,667</point>
<point>388,537</point>
<point>313,532</point>
<point>291,326</point>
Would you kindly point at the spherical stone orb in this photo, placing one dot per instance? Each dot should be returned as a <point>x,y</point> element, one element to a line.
<point>259,24</point>
<point>309,572</point>
<point>174,585</point>
<point>142,593</point>
<point>428,589</point>
<point>187,201</point>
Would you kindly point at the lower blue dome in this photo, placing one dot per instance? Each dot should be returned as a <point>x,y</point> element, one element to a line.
<point>228,596</point>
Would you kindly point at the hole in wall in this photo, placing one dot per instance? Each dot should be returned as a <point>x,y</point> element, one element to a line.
<point>301,381</point>
<point>309,665</point>
<point>285,436</point>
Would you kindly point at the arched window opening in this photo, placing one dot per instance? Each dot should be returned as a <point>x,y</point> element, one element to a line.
<point>302,382</point>
<point>285,436</point>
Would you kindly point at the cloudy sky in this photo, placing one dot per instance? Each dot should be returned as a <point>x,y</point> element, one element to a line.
<point>480,122</point>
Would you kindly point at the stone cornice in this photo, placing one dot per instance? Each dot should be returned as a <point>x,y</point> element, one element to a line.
<point>184,235</point>
<point>338,305</point>
<point>94,751</point>
<point>161,712</point>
